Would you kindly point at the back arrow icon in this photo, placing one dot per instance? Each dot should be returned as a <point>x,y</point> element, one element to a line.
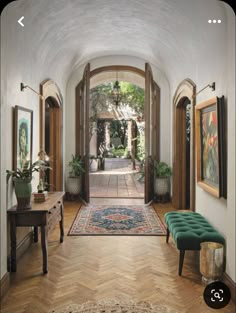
<point>20,21</point>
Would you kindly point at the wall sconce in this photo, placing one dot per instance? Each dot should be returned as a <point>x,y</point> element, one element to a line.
<point>23,87</point>
<point>212,86</point>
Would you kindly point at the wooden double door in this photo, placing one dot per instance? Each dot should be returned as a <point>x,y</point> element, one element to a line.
<point>152,129</point>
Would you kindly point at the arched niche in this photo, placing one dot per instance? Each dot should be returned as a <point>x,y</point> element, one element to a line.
<point>51,106</point>
<point>183,190</point>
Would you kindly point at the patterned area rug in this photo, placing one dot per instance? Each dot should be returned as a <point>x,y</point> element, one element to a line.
<point>115,307</point>
<point>117,220</point>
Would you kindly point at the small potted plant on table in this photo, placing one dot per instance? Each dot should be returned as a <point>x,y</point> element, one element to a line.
<point>22,181</point>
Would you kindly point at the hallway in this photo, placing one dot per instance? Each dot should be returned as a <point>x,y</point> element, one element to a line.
<point>179,58</point>
<point>138,268</point>
<point>118,180</point>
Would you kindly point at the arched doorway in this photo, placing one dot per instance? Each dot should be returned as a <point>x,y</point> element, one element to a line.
<point>51,131</point>
<point>184,102</point>
<point>152,117</point>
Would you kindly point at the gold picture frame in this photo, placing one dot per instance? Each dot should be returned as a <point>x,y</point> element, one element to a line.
<point>211,143</point>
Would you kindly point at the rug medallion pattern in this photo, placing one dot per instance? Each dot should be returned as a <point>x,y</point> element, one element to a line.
<point>117,220</point>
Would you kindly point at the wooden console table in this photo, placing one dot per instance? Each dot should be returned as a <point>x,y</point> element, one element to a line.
<point>44,215</point>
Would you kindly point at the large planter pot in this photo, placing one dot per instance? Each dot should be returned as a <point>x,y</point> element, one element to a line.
<point>162,186</point>
<point>23,191</point>
<point>73,185</point>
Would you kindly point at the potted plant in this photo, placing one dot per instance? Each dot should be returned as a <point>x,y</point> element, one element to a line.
<point>22,181</point>
<point>74,179</point>
<point>162,182</point>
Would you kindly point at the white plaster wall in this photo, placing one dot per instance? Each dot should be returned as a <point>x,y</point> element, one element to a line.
<point>216,62</point>
<point>159,77</point>
<point>18,64</point>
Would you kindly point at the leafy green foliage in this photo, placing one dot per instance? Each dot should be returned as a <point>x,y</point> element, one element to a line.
<point>163,170</point>
<point>120,152</point>
<point>76,165</point>
<point>118,129</point>
<point>133,96</point>
<point>101,97</point>
<point>28,169</point>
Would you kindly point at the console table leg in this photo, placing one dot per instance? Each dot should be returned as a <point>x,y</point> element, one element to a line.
<point>44,243</point>
<point>13,243</point>
<point>36,234</point>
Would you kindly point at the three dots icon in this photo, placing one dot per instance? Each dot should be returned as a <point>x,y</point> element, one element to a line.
<point>214,21</point>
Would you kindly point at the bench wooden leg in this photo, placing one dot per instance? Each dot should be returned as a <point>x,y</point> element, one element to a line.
<point>181,261</point>
<point>167,235</point>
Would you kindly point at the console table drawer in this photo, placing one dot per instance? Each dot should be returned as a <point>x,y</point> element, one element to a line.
<point>25,219</point>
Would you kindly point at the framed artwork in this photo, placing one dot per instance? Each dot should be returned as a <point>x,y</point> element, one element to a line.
<point>211,144</point>
<point>23,136</point>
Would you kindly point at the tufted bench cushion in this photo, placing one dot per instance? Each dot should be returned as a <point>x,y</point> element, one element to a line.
<point>188,230</point>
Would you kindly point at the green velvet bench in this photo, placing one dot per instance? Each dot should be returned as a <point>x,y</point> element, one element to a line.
<point>188,230</point>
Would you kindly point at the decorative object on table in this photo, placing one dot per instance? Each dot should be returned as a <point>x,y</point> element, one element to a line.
<point>43,174</point>
<point>40,196</point>
<point>117,220</point>
<point>114,306</point>
<point>162,181</point>
<point>211,261</point>
<point>211,144</point>
<point>76,165</point>
<point>23,134</point>
<point>22,182</point>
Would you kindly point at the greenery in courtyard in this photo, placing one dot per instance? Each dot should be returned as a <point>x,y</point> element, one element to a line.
<point>101,98</point>
<point>132,101</point>
<point>118,129</point>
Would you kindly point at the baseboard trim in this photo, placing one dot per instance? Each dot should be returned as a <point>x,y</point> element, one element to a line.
<point>231,284</point>
<point>4,285</point>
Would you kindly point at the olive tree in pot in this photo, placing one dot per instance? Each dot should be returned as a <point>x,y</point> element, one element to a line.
<point>74,179</point>
<point>162,181</point>
<point>22,181</point>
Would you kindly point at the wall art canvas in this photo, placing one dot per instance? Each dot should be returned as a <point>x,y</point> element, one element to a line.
<point>211,140</point>
<point>23,136</point>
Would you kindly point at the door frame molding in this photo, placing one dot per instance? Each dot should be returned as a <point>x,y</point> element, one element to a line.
<point>185,92</point>
<point>50,90</point>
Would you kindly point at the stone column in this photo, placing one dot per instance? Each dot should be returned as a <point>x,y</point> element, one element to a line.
<point>129,141</point>
<point>107,135</point>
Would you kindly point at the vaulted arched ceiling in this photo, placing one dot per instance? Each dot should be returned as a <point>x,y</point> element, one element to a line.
<point>64,34</point>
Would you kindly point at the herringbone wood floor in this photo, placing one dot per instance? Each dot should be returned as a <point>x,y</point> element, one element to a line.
<point>104,267</point>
